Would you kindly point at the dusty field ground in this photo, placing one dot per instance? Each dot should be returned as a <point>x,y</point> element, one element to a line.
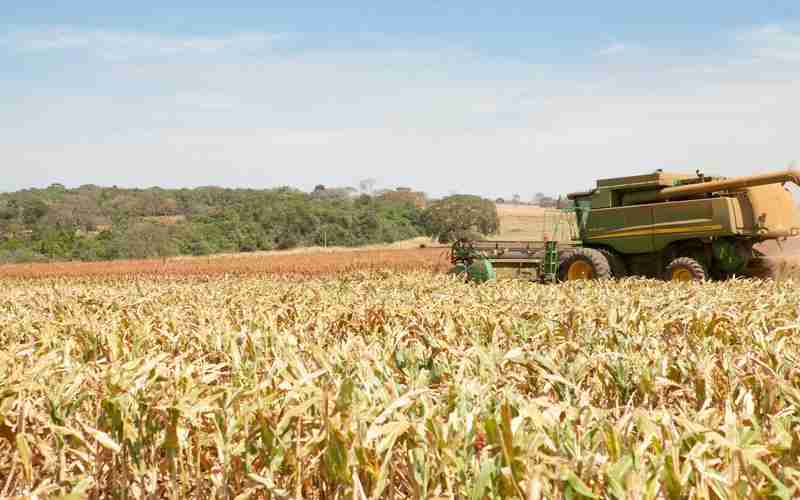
<point>412,244</point>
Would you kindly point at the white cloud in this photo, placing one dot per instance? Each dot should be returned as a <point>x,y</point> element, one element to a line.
<point>206,101</point>
<point>112,44</point>
<point>773,41</point>
<point>433,118</point>
<point>568,142</point>
<point>613,49</point>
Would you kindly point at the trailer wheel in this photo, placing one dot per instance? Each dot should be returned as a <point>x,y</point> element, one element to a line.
<point>618,268</point>
<point>583,264</point>
<point>685,269</point>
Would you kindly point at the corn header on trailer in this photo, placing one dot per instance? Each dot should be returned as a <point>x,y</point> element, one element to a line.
<point>674,226</point>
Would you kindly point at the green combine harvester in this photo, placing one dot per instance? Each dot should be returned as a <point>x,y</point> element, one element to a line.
<point>679,227</point>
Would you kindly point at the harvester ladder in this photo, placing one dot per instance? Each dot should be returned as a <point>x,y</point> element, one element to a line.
<point>550,263</point>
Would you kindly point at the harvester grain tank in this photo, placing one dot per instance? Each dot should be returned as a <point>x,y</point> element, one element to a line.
<point>670,225</point>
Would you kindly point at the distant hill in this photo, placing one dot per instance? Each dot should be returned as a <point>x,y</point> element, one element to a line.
<point>100,223</point>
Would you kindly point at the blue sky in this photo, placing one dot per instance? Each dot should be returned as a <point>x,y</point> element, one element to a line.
<point>443,96</point>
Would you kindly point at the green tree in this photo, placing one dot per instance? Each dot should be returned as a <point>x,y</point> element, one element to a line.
<point>461,216</point>
<point>146,239</point>
<point>33,210</point>
<point>93,222</point>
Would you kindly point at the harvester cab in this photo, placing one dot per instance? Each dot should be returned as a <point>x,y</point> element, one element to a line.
<point>664,225</point>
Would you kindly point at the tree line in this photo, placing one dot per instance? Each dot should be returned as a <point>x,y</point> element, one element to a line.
<point>105,223</point>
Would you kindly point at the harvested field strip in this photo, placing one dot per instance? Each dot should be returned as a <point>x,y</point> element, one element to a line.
<point>299,264</point>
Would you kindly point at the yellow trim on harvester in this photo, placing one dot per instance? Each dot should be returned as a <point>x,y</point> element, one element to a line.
<point>653,231</point>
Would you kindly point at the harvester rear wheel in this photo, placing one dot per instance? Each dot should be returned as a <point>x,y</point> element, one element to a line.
<point>583,264</point>
<point>685,269</point>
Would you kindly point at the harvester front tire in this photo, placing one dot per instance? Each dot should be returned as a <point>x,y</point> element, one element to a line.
<point>582,264</point>
<point>685,269</point>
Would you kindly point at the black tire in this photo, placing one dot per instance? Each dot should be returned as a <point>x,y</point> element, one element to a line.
<point>618,268</point>
<point>594,262</point>
<point>685,269</point>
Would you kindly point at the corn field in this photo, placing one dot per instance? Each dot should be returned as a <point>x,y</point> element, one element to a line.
<point>386,384</point>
